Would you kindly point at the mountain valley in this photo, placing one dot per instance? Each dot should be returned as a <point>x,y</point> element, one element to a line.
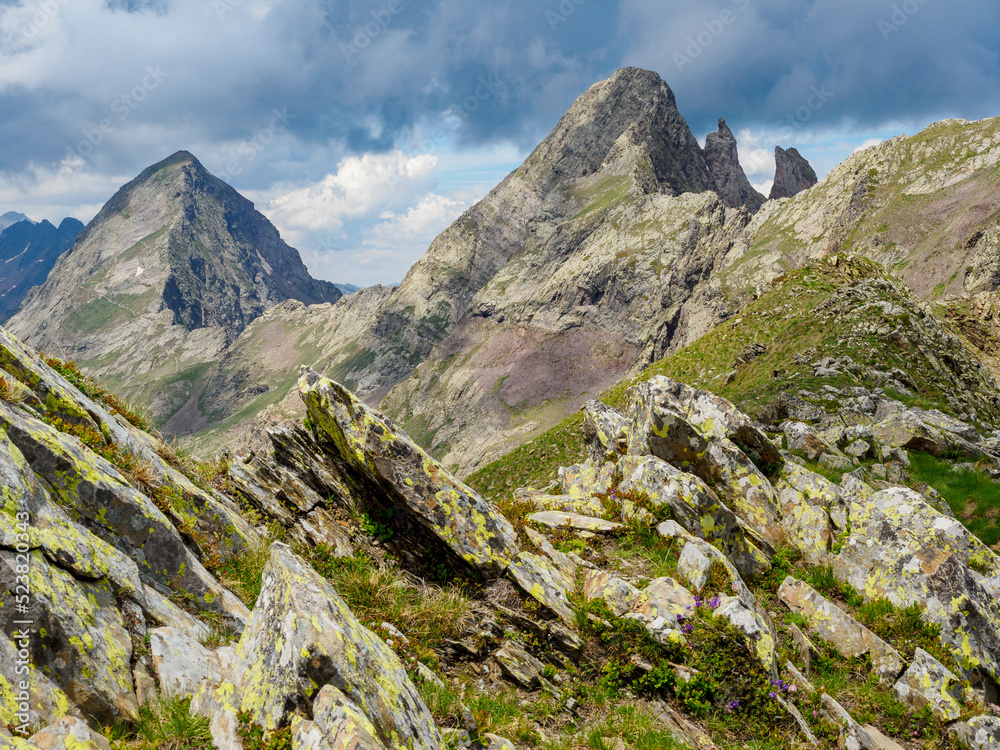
<point>634,457</point>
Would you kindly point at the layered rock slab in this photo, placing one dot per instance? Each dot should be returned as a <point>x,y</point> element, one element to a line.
<point>303,636</point>
<point>379,456</point>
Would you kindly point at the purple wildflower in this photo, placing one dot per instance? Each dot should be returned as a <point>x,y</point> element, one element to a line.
<point>732,706</point>
<point>715,602</point>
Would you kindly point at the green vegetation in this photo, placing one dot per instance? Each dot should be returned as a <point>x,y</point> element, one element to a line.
<point>972,495</point>
<point>95,391</point>
<point>167,725</point>
<point>253,737</point>
<point>533,464</point>
<point>376,593</point>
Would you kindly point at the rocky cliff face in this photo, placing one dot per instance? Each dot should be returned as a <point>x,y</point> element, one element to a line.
<point>170,272</point>
<point>792,173</point>
<point>28,252</point>
<point>729,179</point>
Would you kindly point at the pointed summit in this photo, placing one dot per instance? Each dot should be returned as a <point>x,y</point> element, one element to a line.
<point>627,125</point>
<point>177,258</point>
<point>792,175</point>
<point>729,179</point>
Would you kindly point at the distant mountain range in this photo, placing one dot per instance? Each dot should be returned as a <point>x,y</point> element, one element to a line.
<point>11,217</point>
<point>619,241</point>
<point>28,252</point>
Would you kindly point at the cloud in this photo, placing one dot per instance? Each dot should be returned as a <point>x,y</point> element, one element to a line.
<point>361,185</point>
<point>111,86</point>
<point>757,62</point>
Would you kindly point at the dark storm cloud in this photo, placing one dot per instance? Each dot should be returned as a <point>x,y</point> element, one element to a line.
<point>360,74</point>
<point>822,63</point>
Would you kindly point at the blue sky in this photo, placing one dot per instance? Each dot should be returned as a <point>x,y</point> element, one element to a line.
<point>362,129</point>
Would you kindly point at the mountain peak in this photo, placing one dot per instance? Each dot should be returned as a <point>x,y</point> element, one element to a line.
<point>10,218</point>
<point>792,175</point>
<point>177,258</point>
<point>730,180</point>
<point>629,126</point>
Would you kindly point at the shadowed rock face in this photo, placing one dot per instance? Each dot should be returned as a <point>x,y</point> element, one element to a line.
<point>730,181</point>
<point>792,174</point>
<point>28,251</point>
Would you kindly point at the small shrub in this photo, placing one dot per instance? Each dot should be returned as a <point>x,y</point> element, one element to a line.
<point>254,737</point>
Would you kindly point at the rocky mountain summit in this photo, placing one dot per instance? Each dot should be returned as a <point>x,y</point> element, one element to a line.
<point>697,579</point>
<point>29,251</point>
<point>11,217</point>
<point>731,182</point>
<point>792,174</point>
<point>169,273</point>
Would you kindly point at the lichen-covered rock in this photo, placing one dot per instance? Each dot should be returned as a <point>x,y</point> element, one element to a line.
<point>98,495</point>
<point>620,596</point>
<point>278,486</point>
<point>903,550</point>
<point>556,519</point>
<point>583,505</point>
<point>927,682</point>
<point>665,597</point>
<point>604,432</point>
<point>384,458</point>
<point>81,641</point>
<point>213,521</point>
<point>181,663</point>
<point>979,732</point>
<point>520,666</point>
<point>695,507</point>
<point>799,486</point>
<point>162,611</point>
<point>585,480</point>
<point>927,432</point>
<point>343,723</point>
<point>41,700</point>
<point>853,736</point>
<point>219,703</point>
<point>756,629</point>
<point>694,565</point>
<point>69,733</point>
<point>839,629</point>
<point>301,637</point>
<point>307,736</point>
<point>659,425</point>
<point>802,437</point>
<point>548,585</point>
<point>808,530</point>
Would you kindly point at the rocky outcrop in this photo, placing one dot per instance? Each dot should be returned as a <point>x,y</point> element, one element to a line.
<point>96,553</point>
<point>728,177</point>
<point>792,174</point>
<point>831,624</point>
<point>902,549</point>
<point>322,643</point>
